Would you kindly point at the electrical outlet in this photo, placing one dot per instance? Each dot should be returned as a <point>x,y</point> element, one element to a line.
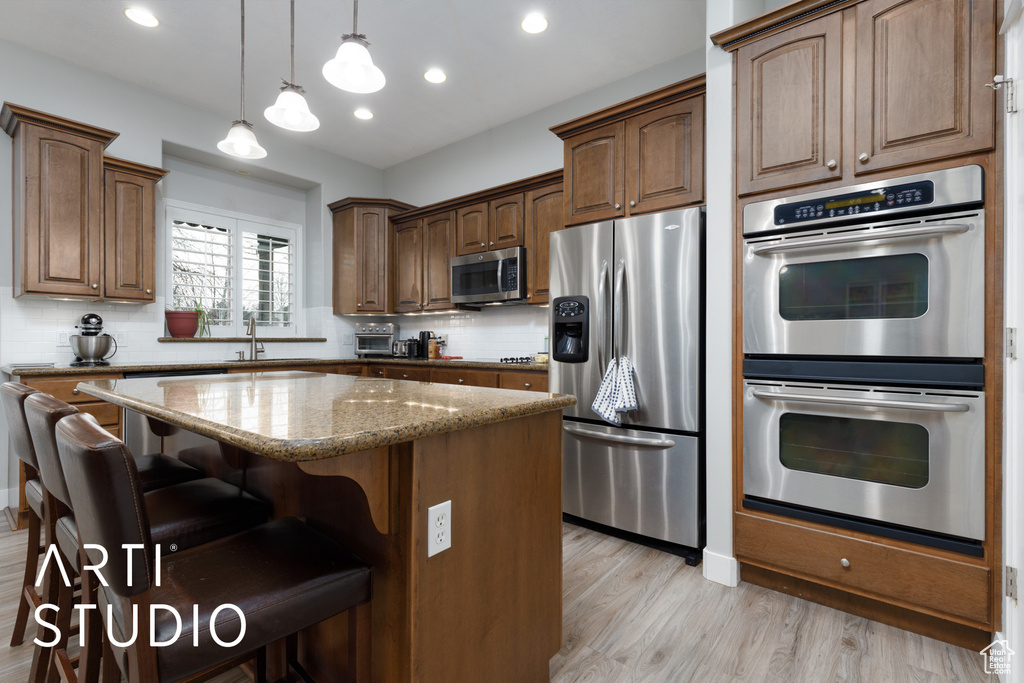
<point>347,340</point>
<point>122,339</point>
<point>63,340</point>
<point>439,528</point>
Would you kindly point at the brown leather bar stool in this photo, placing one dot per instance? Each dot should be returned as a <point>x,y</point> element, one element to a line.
<point>281,576</point>
<point>181,516</point>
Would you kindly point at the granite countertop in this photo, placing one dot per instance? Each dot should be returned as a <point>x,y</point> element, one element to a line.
<point>296,416</point>
<point>268,364</point>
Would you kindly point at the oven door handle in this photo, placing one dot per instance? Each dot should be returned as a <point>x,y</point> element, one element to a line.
<point>618,438</point>
<point>929,231</point>
<point>865,402</point>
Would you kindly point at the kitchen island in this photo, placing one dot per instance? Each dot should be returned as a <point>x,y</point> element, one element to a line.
<point>362,459</point>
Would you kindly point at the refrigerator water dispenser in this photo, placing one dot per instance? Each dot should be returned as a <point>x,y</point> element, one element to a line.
<point>571,329</point>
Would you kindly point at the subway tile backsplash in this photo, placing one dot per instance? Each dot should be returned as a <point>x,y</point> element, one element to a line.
<point>30,329</point>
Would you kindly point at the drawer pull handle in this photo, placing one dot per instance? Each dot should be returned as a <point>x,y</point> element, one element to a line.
<point>461,380</point>
<point>845,562</point>
<point>527,385</point>
<point>75,391</point>
<point>404,376</point>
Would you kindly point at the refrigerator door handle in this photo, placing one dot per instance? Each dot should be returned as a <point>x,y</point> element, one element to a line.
<point>617,438</point>
<point>620,276</point>
<point>602,332</point>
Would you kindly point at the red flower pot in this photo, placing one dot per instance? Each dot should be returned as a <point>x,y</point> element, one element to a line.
<point>182,323</point>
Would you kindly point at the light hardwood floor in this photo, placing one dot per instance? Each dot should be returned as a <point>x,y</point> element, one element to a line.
<point>633,614</point>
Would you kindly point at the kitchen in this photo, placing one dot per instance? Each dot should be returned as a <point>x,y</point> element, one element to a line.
<point>162,133</point>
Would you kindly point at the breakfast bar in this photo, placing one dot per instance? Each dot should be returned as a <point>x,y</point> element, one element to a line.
<point>362,460</point>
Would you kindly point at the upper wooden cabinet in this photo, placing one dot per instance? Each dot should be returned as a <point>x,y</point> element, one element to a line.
<point>471,229</point>
<point>362,252</point>
<point>505,222</point>
<point>408,272</point>
<point>129,229</point>
<point>543,217</point>
<point>422,270</point>
<point>84,225</point>
<point>914,77</point>
<point>637,157</point>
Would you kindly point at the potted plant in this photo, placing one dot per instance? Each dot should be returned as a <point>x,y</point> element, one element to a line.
<point>186,322</point>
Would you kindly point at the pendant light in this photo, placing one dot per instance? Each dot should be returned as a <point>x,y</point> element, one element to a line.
<point>291,111</point>
<point>352,69</point>
<point>241,141</point>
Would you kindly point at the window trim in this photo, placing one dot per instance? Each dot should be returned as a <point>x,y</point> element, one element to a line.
<point>237,223</point>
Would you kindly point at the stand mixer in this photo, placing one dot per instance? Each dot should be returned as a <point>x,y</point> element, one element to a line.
<point>91,347</point>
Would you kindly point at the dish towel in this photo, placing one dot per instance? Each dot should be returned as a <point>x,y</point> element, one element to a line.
<point>616,394</point>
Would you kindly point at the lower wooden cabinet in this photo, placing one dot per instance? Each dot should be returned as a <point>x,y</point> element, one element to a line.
<point>525,381</point>
<point>408,372</point>
<point>352,370</point>
<point>914,577</point>
<point>471,378</point>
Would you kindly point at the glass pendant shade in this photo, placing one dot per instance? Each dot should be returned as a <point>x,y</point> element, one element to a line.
<point>291,112</point>
<point>353,70</point>
<point>241,142</point>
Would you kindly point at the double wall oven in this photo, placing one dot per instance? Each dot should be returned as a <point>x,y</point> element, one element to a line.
<point>863,338</point>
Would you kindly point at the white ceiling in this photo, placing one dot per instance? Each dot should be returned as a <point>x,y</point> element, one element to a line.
<point>496,72</point>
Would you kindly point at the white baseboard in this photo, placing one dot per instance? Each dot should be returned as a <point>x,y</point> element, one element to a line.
<point>721,569</point>
<point>12,498</point>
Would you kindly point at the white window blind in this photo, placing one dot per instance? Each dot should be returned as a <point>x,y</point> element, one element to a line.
<point>201,269</point>
<point>267,279</point>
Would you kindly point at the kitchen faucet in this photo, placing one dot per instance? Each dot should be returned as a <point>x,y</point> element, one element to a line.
<point>250,329</point>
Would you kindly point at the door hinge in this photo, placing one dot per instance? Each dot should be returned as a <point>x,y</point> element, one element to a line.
<point>1009,91</point>
<point>1011,583</point>
<point>1011,343</point>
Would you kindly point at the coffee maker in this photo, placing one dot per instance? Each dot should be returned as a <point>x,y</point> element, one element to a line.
<point>91,346</point>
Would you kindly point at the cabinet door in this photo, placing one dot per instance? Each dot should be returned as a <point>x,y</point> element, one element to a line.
<point>543,217</point>
<point>665,157</point>
<point>408,266</point>
<point>594,167</point>
<point>409,372</point>
<point>505,222</point>
<point>371,259</point>
<point>129,234</point>
<point>789,107</point>
<point>438,248</point>
<point>524,381</point>
<point>921,70</point>
<point>473,378</point>
<point>63,214</point>
<point>471,232</point>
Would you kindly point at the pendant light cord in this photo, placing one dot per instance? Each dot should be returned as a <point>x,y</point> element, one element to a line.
<point>293,43</point>
<point>355,17</point>
<point>243,60</point>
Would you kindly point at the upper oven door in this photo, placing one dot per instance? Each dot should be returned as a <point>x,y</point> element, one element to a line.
<point>908,287</point>
<point>912,458</point>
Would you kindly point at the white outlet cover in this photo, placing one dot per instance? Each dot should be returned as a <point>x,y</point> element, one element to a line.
<point>439,528</point>
<point>347,340</point>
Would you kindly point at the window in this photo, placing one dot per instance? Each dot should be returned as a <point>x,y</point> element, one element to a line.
<point>236,267</point>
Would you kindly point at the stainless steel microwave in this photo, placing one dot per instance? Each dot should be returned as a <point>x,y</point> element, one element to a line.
<point>490,277</point>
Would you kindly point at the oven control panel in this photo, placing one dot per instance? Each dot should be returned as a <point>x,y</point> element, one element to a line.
<point>879,199</point>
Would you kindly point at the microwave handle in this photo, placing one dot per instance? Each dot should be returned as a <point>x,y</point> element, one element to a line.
<point>865,402</point>
<point>929,231</point>
<point>501,285</point>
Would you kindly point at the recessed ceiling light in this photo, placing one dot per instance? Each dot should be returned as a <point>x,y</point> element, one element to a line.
<point>142,17</point>
<point>241,171</point>
<point>435,76</point>
<point>363,113</point>
<point>534,23</point>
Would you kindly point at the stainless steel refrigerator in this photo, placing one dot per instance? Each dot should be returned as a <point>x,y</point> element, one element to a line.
<point>633,288</point>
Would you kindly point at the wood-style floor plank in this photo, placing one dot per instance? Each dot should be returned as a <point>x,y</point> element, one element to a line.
<point>636,615</point>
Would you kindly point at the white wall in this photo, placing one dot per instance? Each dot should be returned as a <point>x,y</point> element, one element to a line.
<point>522,148</point>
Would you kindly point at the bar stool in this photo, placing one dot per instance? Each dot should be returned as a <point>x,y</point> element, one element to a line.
<point>182,515</point>
<point>281,576</point>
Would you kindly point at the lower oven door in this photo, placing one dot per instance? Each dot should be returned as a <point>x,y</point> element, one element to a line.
<point>910,458</point>
<point>911,287</point>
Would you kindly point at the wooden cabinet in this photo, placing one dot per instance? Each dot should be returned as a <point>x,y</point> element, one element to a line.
<point>408,271</point>
<point>914,81</point>
<point>524,381</point>
<point>129,230</point>
<point>543,207</point>
<point>789,107</point>
<point>412,373</point>
<point>505,222</point>
<point>637,157</point>
<point>352,370</point>
<point>362,254</point>
<point>84,225</point>
<point>438,249</point>
<point>468,377</point>
<point>471,229</point>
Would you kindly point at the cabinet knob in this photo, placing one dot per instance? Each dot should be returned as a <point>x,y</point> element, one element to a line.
<point>149,291</point>
<point>832,163</point>
<point>359,305</point>
<point>461,380</point>
<point>492,244</point>
<point>845,562</point>
<point>482,244</point>
<point>95,286</point>
<point>527,385</point>
<point>618,206</point>
<point>863,156</point>
<point>529,296</point>
<point>75,391</point>
<point>632,203</point>
<point>405,376</point>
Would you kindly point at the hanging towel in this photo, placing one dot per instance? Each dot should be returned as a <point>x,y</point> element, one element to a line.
<point>616,394</point>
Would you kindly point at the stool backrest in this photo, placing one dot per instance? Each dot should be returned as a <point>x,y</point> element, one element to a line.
<point>103,483</point>
<point>43,412</point>
<point>13,396</point>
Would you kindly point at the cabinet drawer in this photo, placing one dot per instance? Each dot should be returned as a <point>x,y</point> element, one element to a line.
<point>897,575</point>
<point>411,373</point>
<point>354,370</point>
<point>63,389</point>
<point>105,413</point>
<point>528,381</point>
<point>473,378</point>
